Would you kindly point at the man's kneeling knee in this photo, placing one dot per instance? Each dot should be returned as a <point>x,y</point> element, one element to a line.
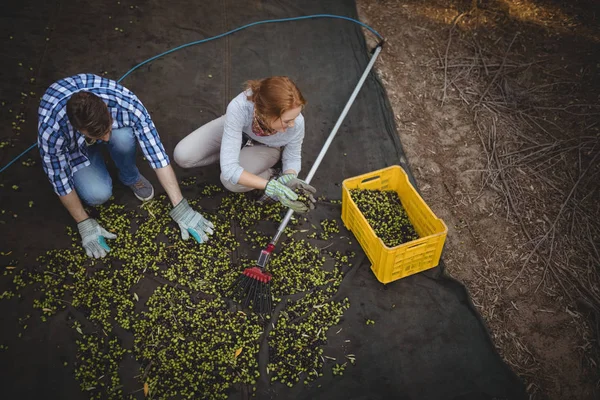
<point>96,197</point>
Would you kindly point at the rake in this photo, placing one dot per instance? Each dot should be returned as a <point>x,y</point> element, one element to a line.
<point>253,286</point>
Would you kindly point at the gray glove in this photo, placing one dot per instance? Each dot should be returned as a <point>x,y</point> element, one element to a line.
<point>286,196</point>
<point>94,238</point>
<point>191,222</point>
<point>292,181</point>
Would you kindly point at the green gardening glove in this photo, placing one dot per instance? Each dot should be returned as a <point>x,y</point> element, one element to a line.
<point>191,222</point>
<point>292,181</point>
<point>285,196</point>
<point>93,238</point>
<point>285,178</point>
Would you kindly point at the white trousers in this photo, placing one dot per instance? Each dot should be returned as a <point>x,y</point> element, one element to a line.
<point>203,146</point>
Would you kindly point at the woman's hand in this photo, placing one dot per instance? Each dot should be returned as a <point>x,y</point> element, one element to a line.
<point>291,181</point>
<point>285,196</point>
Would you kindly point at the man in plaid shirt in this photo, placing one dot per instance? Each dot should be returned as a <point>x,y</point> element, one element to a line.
<point>80,115</point>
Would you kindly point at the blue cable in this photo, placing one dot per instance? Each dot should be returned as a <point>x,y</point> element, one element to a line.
<point>19,156</point>
<point>267,21</point>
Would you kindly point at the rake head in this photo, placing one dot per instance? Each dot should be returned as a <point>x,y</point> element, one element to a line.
<point>253,289</point>
<point>258,274</point>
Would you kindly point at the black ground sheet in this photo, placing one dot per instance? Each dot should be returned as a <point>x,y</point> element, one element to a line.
<point>428,341</point>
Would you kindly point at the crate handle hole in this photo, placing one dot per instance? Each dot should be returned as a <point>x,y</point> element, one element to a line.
<point>372,178</point>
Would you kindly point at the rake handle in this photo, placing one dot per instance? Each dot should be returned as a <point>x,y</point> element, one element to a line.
<point>324,149</point>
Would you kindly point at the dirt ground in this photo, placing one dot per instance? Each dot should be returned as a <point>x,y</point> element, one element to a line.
<point>542,332</point>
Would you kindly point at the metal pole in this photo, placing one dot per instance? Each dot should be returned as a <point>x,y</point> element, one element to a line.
<point>325,147</point>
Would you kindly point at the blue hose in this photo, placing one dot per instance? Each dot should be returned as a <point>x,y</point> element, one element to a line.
<point>267,21</point>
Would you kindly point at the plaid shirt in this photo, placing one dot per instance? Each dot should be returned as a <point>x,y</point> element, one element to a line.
<point>63,148</point>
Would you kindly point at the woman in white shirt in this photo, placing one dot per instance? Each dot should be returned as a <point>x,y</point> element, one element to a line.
<point>263,124</point>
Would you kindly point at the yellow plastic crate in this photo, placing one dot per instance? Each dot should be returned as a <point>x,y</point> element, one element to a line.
<point>393,263</point>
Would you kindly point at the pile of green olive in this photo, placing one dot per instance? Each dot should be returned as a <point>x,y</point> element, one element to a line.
<point>189,339</point>
<point>387,217</point>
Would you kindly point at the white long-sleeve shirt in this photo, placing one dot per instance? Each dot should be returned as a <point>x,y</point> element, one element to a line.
<point>238,120</point>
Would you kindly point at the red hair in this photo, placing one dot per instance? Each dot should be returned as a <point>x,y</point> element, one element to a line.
<point>274,96</point>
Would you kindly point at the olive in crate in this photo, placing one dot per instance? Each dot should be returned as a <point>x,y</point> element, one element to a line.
<point>385,214</point>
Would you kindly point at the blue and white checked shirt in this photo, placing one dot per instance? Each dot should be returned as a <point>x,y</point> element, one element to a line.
<point>63,148</point>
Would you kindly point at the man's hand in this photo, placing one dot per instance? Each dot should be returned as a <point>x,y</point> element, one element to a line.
<point>191,222</point>
<point>285,196</point>
<point>292,181</point>
<point>94,238</point>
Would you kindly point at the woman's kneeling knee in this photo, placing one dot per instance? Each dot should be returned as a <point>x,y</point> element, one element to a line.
<point>234,187</point>
<point>181,156</point>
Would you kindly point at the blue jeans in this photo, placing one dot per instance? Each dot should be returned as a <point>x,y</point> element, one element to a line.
<point>93,183</point>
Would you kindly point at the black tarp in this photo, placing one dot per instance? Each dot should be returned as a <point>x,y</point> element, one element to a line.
<point>428,341</point>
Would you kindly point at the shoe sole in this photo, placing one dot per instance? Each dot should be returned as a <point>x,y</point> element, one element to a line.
<point>145,198</point>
